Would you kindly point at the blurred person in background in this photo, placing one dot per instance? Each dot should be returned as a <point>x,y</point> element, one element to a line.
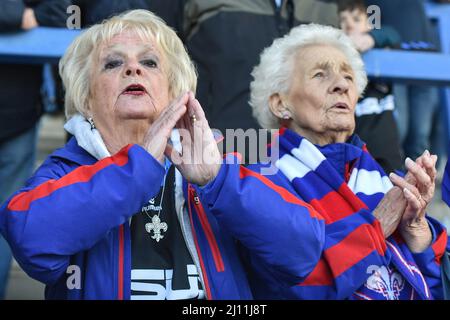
<point>419,116</point>
<point>225,39</point>
<point>20,105</point>
<point>96,11</point>
<point>375,123</point>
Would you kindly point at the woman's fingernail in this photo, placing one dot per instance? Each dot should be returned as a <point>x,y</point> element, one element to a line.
<point>409,162</point>
<point>407,192</point>
<point>427,152</point>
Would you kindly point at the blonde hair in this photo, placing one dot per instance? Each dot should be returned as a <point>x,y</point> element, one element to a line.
<point>274,72</point>
<point>75,65</point>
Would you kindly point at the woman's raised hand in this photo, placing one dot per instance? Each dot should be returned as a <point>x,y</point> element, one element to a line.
<point>155,141</point>
<point>389,210</point>
<point>418,189</point>
<point>200,159</point>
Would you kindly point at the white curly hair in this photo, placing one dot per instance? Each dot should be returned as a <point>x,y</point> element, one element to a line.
<point>273,74</point>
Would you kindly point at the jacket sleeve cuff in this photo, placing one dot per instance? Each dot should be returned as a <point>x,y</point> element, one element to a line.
<point>211,190</point>
<point>436,250</point>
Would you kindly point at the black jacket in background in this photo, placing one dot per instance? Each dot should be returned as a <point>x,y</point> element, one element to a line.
<point>225,39</point>
<point>20,84</point>
<point>95,11</point>
<point>379,130</point>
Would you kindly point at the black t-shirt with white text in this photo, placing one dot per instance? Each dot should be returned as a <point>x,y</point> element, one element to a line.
<point>161,265</point>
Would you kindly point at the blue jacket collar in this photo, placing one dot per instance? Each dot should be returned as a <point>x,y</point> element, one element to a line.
<point>74,153</point>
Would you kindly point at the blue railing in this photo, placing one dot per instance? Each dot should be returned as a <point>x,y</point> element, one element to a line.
<point>36,46</point>
<point>43,45</point>
<point>408,67</point>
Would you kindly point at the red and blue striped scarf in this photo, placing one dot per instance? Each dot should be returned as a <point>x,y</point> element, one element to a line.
<point>338,181</point>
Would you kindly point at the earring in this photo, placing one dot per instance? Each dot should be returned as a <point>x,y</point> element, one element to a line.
<point>91,122</point>
<point>286,115</point>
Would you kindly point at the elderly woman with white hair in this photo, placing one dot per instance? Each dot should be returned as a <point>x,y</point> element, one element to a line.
<point>374,238</point>
<point>108,216</point>
<point>377,242</point>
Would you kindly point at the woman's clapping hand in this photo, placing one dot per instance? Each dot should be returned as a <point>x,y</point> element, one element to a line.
<point>418,189</point>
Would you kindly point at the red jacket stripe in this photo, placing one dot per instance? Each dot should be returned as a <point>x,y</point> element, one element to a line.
<point>23,200</point>
<point>283,193</point>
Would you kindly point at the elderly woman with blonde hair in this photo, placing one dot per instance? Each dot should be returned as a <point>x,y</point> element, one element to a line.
<point>108,216</point>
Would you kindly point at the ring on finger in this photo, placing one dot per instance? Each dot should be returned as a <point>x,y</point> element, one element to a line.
<point>420,198</point>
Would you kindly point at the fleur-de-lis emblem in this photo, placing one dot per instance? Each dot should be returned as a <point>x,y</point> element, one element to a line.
<point>157,226</point>
<point>387,282</point>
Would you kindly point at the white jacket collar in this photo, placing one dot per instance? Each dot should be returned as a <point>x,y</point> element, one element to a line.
<point>89,139</point>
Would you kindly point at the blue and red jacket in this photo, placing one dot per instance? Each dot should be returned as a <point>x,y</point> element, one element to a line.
<point>52,224</point>
<point>294,251</point>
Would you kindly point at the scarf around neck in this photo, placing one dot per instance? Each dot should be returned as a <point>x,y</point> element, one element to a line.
<point>338,180</point>
<point>344,173</point>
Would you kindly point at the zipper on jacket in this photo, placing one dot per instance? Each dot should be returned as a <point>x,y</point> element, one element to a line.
<point>202,265</point>
<point>190,242</point>
<point>193,255</point>
<point>218,261</point>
